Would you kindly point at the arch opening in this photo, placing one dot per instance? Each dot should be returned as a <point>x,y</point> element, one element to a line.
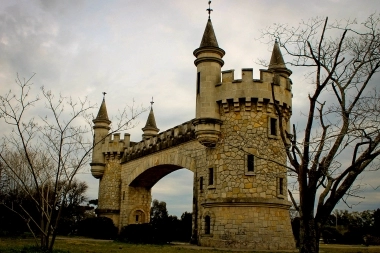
<point>154,174</point>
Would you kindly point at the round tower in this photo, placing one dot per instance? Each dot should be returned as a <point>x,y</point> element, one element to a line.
<point>101,128</point>
<point>209,63</point>
<point>242,183</point>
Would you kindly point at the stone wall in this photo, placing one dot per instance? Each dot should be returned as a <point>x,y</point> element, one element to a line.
<point>259,226</point>
<point>109,189</point>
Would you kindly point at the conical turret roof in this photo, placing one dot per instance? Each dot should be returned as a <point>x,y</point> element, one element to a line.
<point>209,44</point>
<point>209,38</point>
<point>102,114</point>
<point>277,61</point>
<point>151,122</point>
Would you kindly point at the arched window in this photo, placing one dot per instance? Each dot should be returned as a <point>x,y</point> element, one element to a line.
<point>207,225</point>
<point>138,217</point>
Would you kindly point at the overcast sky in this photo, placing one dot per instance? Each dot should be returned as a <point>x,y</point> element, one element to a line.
<point>134,50</point>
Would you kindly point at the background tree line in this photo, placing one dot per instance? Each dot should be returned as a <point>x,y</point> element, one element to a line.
<point>346,227</point>
<point>13,202</point>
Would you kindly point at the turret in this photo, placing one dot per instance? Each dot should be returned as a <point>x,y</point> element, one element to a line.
<point>277,63</point>
<point>101,128</point>
<point>150,128</point>
<point>209,63</point>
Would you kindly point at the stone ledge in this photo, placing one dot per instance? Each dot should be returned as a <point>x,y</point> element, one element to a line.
<point>106,211</point>
<point>232,202</point>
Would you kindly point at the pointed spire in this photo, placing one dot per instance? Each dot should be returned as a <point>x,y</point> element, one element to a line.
<point>277,62</point>
<point>151,121</point>
<point>209,38</point>
<point>102,114</point>
<point>150,128</point>
<point>208,45</point>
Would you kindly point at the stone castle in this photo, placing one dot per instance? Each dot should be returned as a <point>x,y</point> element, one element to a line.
<point>233,147</point>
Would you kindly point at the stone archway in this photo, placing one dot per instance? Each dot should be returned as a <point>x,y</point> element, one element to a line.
<point>156,166</point>
<point>151,176</point>
<point>140,175</point>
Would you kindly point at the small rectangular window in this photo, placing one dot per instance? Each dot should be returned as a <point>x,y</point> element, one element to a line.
<point>137,218</point>
<point>273,126</point>
<point>201,183</point>
<point>250,163</point>
<point>123,195</point>
<point>198,82</point>
<point>207,225</point>
<point>281,186</point>
<point>210,176</point>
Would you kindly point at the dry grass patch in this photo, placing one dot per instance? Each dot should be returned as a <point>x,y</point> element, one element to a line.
<point>85,245</point>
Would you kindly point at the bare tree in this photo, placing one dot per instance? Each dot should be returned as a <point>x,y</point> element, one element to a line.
<point>43,148</point>
<point>341,135</point>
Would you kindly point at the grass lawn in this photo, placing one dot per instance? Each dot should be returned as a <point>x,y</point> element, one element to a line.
<point>84,245</point>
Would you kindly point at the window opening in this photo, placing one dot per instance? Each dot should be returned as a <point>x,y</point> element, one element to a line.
<point>198,82</point>
<point>137,218</point>
<point>201,183</point>
<point>281,185</point>
<point>210,176</point>
<point>250,163</point>
<point>273,126</point>
<point>207,225</point>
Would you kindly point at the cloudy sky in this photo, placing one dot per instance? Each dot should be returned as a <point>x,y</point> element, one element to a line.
<point>134,50</point>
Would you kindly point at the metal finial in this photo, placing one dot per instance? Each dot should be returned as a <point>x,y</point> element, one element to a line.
<point>151,103</point>
<point>209,9</point>
<point>104,94</point>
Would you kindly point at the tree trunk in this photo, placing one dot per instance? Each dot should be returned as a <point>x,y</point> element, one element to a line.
<point>309,236</point>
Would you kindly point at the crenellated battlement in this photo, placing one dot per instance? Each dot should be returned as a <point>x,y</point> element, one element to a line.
<point>167,139</point>
<point>114,145</point>
<point>254,94</point>
<point>255,105</point>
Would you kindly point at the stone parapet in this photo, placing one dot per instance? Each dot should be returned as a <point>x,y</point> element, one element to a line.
<point>164,140</point>
<point>114,144</point>
<point>254,91</point>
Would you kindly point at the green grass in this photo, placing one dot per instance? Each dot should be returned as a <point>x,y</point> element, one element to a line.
<point>84,245</point>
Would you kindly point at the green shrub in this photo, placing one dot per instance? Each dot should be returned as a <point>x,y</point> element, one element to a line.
<point>137,233</point>
<point>98,228</point>
<point>353,237</point>
<point>144,234</point>
<point>331,235</point>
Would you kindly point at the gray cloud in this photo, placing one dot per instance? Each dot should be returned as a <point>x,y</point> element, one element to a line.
<point>134,50</point>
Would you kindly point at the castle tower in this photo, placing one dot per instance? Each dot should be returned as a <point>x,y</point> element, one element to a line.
<point>150,128</point>
<point>105,164</point>
<point>242,185</point>
<point>209,63</point>
<point>101,128</point>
